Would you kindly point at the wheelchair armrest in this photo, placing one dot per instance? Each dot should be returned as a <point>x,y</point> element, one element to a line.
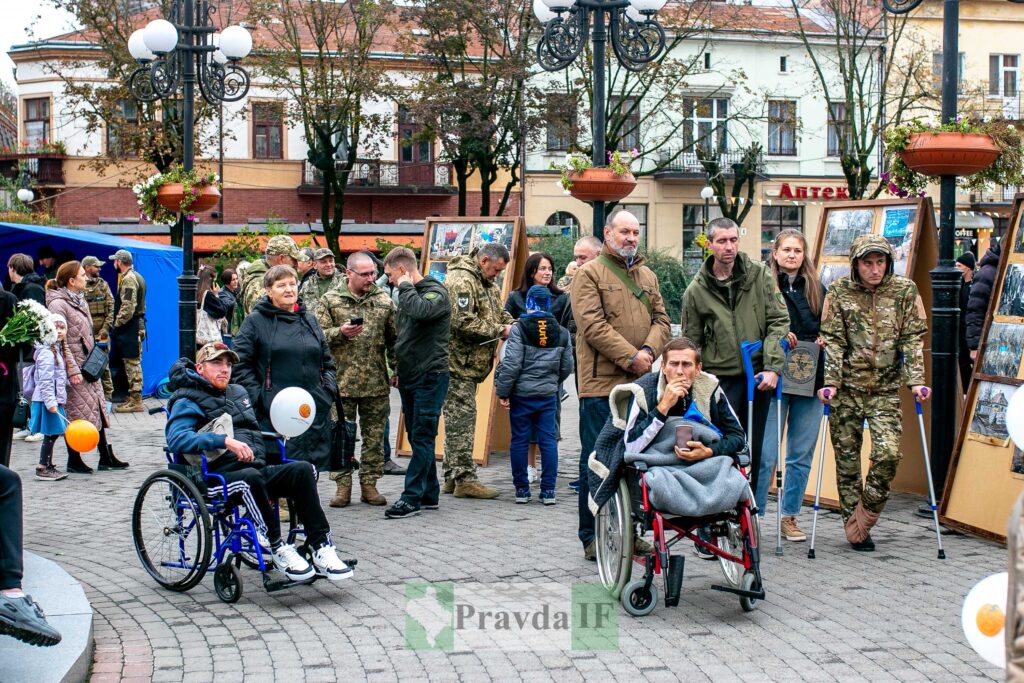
<point>640,466</point>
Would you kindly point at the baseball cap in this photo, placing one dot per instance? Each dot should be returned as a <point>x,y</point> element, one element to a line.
<point>866,244</point>
<point>283,245</point>
<point>307,254</point>
<point>322,252</point>
<point>121,255</point>
<point>215,350</point>
<point>92,261</point>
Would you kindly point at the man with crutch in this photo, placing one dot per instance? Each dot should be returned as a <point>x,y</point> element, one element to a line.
<point>873,325</point>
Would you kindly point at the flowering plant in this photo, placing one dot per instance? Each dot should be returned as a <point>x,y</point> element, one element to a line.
<point>192,183</point>
<point>31,322</point>
<point>902,181</point>
<point>41,147</point>
<point>618,163</point>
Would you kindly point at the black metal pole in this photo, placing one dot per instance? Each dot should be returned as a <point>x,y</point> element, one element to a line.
<point>600,36</point>
<point>945,277</point>
<point>187,280</point>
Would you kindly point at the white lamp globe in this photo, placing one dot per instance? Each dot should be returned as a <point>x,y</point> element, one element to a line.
<point>25,195</point>
<point>137,47</point>
<point>235,42</point>
<point>160,36</point>
<point>647,5</point>
<point>707,192</point>
<point>544,15</point>
<point>634,14</point>
<point>218,54</point>
<point>559,4</point>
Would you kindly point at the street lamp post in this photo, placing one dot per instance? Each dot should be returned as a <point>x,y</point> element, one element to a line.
<point>186,50</point>
<point>637,39</point>
<point>706,193</point>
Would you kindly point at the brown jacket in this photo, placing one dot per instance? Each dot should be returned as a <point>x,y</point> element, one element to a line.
<point>612,325</point>
<point>85,399</point>
<point>1015,595</point>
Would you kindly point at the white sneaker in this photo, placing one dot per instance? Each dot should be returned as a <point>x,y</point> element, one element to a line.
<point>328,564</point>
<point>34,437</point>
<point>531,473</point>
<point>294,566</point>
<point>21,433</point>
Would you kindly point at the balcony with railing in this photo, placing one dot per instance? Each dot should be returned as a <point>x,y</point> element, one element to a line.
<point>379,176</point>
<point>996,194</point>
<point>675,163</point>
<point>43,163</point>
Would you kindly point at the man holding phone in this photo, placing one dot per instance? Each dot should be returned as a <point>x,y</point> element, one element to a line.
<point>358,320</point>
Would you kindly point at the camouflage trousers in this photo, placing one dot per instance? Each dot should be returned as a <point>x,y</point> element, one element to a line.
<point>459,430</point>
<point>108,383</point>
<point>133,373</point>
<point>373,414</point>
<point>849,412</point>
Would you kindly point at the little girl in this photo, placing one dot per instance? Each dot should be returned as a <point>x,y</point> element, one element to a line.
<point>48,399</point>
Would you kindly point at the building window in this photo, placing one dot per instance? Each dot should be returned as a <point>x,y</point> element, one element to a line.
<point>625,111</point>
<point>37,121</point>
<point>838,128</point>
<point>563,219</point>
<point>1002,75</point>
<point>126,115</point>
<point>775,219</point>
<point>640,211</point>
<point>267,130</point>
<point>705,123</point>
<point>782,64</point>
<point>562,121</point>
<point>693,225</point>
<point>937,72</point>
<point>413,149</point>
<point>782,127</point>
<point>707,60</point>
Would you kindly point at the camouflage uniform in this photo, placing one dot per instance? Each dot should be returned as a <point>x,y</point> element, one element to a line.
<point>101,307</point>
<point>362,364</point>
<point>477,316</point>
<point>313,290</point>
<point>252,289</point>
<point>873,345</point>
<point>131,312</point>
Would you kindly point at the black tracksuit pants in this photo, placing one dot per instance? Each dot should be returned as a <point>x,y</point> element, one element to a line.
<point>11,567</point>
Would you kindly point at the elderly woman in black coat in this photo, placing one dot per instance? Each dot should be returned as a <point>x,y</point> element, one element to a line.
<point>279,345</point>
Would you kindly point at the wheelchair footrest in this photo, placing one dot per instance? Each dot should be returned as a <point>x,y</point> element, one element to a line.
<point>676,563</point>
<point>757,595</point>
<point>274,585</point>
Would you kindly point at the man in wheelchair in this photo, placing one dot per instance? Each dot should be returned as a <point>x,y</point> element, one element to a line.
<point>202,394</point>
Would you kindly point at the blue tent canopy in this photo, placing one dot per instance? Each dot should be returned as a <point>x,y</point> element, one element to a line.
<point>159,264</point>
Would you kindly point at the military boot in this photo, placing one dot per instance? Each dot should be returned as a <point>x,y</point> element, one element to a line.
<point>342,496</point>
<point>474,489</point>
<point>132,405</point>
<point>371,496</point>
<point>449,486</point>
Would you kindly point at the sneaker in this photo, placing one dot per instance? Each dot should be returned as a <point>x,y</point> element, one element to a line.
<point>575,486</point>
<point>522,496</point>
<point>392,467</point>
<point>428,506</point>
<point>703,553</point>
<point>474,489</point>
<point>21,433</point>
<point>642,547</point>
<point>547,496</point>
<point>401,509</point>
<point>34,437</point>
<point>531,473</point>
<point>925,510</point>
<point>865,546</point>
<point>590,552</point>
<point>22,618</point>
<point>294,566</point>
<point>328,564</point>
<point>790,531</point>
<point>50,473</point>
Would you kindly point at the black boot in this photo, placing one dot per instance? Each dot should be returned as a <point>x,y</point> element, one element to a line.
<point>109,461</point>
<point>76,464</point>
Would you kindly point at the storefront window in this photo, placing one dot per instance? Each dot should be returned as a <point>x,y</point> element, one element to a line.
<point>775,219</point>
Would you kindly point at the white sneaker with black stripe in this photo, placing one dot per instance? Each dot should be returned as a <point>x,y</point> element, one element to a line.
<point>329,565</point>
<point>293,565</point>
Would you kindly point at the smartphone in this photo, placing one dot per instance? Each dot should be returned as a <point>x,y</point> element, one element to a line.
<point>356,321</point>
<point>684,433</point>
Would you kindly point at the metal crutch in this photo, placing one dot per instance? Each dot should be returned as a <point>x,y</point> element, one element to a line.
<point>823,431</point>
<point>928,471</point>
<point>748,349</point>
<point>778,459</point>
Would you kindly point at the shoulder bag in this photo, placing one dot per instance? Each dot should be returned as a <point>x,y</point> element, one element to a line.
<point>95,363</point>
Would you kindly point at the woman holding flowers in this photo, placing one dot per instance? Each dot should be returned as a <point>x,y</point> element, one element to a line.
<point>66,295</point>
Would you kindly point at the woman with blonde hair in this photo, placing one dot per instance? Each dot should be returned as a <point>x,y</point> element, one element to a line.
<point>798,281</point>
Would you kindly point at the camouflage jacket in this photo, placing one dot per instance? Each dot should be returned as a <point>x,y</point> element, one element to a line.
<point>362,361</point>
<point>874,340</point>
<point>252,289</point>
<point>314,288</point>
<point>478,317</point>
<point>131,293</point>
<point>101,305</point>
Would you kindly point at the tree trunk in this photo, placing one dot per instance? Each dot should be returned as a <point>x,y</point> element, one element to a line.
<point>462,172</point>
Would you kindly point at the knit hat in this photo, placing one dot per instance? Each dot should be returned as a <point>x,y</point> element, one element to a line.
<point>967,259</point>
<point>538,298</point>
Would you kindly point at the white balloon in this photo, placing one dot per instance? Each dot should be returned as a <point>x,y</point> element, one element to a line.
<point>1015,417</point>
<point>987,599</point>
<point>292,412</point>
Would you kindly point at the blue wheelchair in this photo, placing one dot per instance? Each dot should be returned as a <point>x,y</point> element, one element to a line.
<point>185,523</point>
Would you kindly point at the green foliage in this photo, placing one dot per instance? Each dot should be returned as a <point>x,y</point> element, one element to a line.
<point>245,246</point>
<point>560,249</point>
<point>385,246</point>
<point>193,182</point>
<point>618,163</point>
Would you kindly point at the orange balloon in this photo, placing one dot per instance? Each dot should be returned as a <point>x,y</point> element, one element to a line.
<point>990,620</point>
<point>82,436</point>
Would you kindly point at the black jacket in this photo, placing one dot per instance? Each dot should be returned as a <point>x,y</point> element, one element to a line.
<point>981,293</point>
<point>213,305</point>
<point>516,304</point>
<point>802,321</point>
<point>278,349</point>
<point>32,286</point>
<point>423,323</point>
<point>10,355</point>
<point>228,300</point>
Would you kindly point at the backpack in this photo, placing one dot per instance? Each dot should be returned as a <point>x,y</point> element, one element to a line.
<point>28,380</point>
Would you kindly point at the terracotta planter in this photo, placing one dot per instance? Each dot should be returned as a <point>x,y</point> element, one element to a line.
<point>961,154</point>
<point>170,196</point>
<point>601,185</point>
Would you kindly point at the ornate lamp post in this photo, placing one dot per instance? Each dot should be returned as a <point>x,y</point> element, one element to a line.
<point>177,54</point>
<point>706,193</point>
<point>636,37</point>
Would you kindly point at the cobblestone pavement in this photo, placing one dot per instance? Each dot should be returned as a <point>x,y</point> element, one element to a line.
<point>893,615</point>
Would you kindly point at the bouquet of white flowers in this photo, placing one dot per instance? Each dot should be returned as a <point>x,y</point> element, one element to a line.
<point>31,322</point>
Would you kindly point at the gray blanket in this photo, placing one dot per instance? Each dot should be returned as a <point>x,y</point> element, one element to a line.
<point>697,489</point>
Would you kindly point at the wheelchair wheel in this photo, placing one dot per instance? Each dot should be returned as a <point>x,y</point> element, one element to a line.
<point>614,541</point>
<point>171,530</point>
<point>731,542</point>
<point>638,599</point>
<point>227,582</point>
<point>749,584</point>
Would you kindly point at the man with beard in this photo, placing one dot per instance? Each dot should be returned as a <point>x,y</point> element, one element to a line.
<point>621,327</point>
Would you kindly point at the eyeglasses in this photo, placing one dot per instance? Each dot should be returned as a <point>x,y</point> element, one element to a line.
<point>368,274</point>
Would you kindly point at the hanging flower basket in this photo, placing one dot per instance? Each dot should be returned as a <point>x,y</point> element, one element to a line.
<point>960,154</point>
<point>171,195</point>
<point>165,196</point>
<point>601,185</point>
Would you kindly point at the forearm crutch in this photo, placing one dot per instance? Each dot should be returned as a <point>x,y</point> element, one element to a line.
<point>928,471</point>
<point>748,349</point>
<point>823,431</point>
<point>778,458</point>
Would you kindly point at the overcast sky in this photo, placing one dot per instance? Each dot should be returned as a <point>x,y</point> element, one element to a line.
<point>17,17</point>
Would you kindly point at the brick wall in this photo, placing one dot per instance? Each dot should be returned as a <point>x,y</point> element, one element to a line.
<point>84,206</point>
